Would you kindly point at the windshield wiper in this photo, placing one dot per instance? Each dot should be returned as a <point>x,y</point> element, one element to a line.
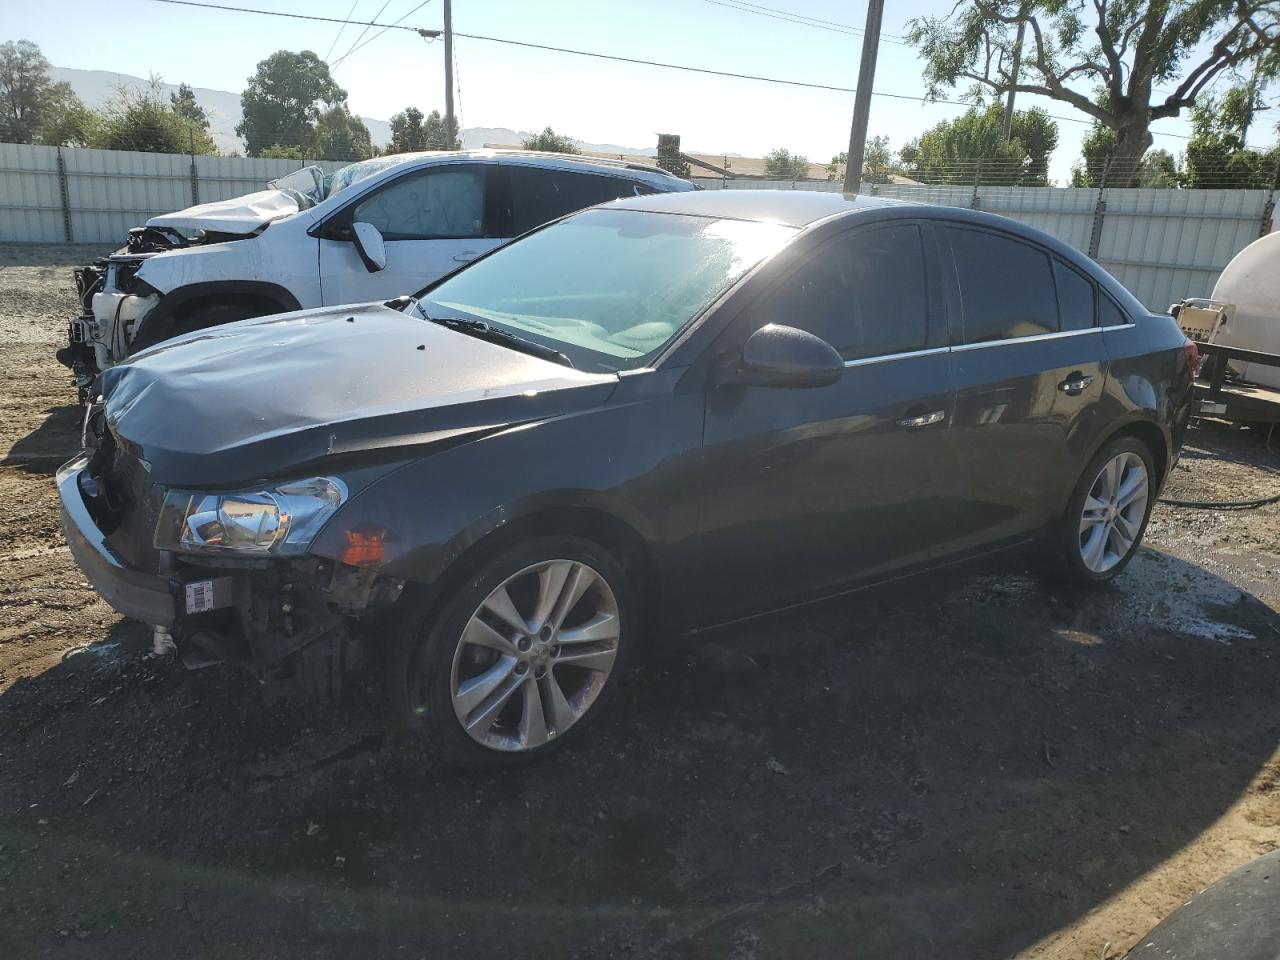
<point>485,331</point>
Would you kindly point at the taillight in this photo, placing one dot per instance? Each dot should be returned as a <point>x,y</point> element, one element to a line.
<point>1192,352</point>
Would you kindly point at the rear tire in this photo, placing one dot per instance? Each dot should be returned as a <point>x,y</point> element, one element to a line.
<point>1106,516</point>
<point>545,626</point>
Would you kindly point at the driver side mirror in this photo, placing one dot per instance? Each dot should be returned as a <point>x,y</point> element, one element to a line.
<point>782,356</point>
<point>370,246</point>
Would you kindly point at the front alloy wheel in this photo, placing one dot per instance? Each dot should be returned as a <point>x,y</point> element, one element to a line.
<point>517,650</point>
<point>535,655</point>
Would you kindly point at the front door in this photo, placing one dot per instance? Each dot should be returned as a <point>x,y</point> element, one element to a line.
<point>432,221</point>
<point>1029,369</point>
<point>810,489</point>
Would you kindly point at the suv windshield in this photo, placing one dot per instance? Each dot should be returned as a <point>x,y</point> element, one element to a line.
<point>344,177</point>
<point>608,288</point>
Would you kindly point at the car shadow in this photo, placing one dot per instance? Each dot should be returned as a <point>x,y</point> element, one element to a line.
<point>955,766</point>
<point>52,443</point>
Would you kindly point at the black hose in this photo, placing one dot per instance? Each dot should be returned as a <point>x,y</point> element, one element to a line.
<point>1221,504</point>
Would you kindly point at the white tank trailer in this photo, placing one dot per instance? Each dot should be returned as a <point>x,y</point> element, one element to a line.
<point>1249,288</point>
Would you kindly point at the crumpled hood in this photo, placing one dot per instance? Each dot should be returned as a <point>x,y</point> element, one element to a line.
<point>270,397</point>
<point>237,215</point>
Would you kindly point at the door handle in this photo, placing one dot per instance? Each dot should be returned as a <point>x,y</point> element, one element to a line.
<point>924,419</point>
<point>1075,384</point>
<point>466,256</point>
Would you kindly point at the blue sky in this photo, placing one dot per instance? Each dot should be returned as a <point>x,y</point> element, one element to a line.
<point>528,89</point>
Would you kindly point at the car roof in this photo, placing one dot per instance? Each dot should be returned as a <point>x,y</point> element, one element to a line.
<point>795,208</point>
<point>556,161</point>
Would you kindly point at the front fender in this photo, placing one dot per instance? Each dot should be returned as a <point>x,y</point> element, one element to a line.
<point>632,462</point>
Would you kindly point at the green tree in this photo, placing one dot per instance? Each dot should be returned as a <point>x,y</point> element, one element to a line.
<point>407,134</point>
<point>548,141</point>
<point>1125,48</point>
<point>783,163</point>
<point>835,169</point>
<point>27,95</point>
<point>183,103</point>
<point>972,148</point>
<point>341,136</point>
<point>1216,154</point>
<point>284,99</point>
<point>65,121</point>
<point>441,135</point>
<point>278,152</point>
<point>143,120</point>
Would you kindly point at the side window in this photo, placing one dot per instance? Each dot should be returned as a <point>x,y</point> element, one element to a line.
<point>446,202</point>
<point>1075,298</point>
<point>1006,286</point>
<point>539,194</point>
<point>616,188</point>
<point>1110,315</point>
<point>865,293</point>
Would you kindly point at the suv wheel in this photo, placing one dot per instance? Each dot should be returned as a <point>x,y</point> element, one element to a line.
<point>1107,513</point>
<point>522,655</point>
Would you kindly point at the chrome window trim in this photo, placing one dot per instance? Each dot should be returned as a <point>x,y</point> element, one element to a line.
<point>1058,335</point>
<point>863,361</point>
<point>1120,326</point>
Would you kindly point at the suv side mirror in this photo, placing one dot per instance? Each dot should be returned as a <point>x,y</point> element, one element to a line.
<point>781,356</point>
<point>370,246</point>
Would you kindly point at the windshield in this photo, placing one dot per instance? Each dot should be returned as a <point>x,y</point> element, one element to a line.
<point>608,288</point>
<point>344,177</point>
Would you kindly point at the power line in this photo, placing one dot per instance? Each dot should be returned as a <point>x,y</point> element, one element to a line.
<point>278,13</point>
<point>356,42</point>
<point>917,98</point>
<point>426,35</point>
<point>329,53</point>
<point>787,17</point>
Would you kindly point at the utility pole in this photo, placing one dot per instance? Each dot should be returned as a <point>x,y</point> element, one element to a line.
<point>862,99</point>
<point>449,121</point>
<point>1017,62</point>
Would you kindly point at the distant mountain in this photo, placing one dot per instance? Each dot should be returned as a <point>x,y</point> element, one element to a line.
<point>96,87</point>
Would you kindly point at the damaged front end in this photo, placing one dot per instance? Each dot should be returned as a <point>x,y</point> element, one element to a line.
<point>225,575</point>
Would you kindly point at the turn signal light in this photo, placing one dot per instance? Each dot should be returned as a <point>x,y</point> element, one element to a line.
<point>364,548</point>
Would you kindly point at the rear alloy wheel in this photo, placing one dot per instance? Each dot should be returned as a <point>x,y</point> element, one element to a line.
<point>1113,512</point>
<point>517,656</point>
<point>1107,514</point>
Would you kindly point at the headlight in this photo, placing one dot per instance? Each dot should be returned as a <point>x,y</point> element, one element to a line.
<point>273,520</point>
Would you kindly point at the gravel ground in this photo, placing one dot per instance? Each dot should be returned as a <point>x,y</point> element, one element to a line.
<point>976,765</point>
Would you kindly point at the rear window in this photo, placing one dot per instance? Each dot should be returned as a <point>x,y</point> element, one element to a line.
<point>1075,298</point>
<point>1006,286</point>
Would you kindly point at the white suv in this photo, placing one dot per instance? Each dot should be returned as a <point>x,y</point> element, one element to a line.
<point>370,231</point>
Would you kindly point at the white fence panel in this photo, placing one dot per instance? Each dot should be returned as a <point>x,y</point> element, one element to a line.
<point>112,190</point>
<point>30,204</point>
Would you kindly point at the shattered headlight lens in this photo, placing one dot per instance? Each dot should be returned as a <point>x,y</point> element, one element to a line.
<point>274,520</point>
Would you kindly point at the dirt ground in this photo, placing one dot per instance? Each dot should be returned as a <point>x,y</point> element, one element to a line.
<point>979,765</point>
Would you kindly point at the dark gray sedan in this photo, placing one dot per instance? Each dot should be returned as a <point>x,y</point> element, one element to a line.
<point>664,413</point>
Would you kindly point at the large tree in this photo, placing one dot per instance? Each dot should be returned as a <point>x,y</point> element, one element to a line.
<point>1216,154</point>
<point>407,135</point>
<point>972,149</point>
<point>341,136</point>
<point>284,99</point>
<point>27,96</point>
<point>184,104</point>
<point>1103,57</point>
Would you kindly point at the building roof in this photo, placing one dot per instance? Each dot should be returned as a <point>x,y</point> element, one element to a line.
<point>796,208</point>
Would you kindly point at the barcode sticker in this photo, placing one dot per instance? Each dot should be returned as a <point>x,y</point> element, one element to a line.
<point>200,596</point>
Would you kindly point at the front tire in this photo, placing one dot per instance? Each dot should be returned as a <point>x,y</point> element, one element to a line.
<point>1107,514</point>
<point>520,656</point>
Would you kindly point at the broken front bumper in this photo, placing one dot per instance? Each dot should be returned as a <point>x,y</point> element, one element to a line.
<point>135,593</point>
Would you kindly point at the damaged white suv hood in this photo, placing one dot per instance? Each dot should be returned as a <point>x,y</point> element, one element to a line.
<point>239,215</point>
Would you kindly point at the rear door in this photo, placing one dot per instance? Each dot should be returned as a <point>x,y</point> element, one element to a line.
<point>534,195</point>
<point>432,221</point>
<point>809,489</point>
<point>1029,366</point>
